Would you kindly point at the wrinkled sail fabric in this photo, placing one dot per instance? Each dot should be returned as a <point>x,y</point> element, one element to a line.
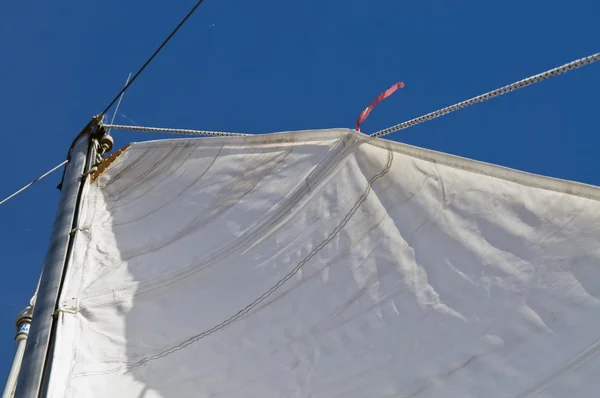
<point>328,264</point>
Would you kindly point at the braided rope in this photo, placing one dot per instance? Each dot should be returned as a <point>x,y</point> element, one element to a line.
<point>492,94</point>
<point>172,131</point>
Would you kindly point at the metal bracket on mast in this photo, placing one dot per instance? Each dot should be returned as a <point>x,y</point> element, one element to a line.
<point>91,130</point>
<point>37,360</point>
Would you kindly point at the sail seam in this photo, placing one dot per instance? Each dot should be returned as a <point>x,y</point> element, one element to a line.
<point>269,292</point>
<point>474,166</point>
<point>316,176</point>
<point>494,171</point>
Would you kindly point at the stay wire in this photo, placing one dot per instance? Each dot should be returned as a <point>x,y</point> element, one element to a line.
<point>33,182</point>
<point>158,50</point>
<point>118,105</point>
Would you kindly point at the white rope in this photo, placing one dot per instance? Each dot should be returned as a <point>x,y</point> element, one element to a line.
<point>33,182</point>
<point>37,289</point>
<point>172,131</point>
<point>498,92</point>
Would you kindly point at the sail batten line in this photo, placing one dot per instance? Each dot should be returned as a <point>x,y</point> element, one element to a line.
<point>173,131</point>
<point>491,94</point>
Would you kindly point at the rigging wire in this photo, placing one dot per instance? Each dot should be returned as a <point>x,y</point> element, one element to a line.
<point>33,182</point>
<point>158,50</point>
<point>174,131</point>
<point>118,105</point>
<point>492,94</point>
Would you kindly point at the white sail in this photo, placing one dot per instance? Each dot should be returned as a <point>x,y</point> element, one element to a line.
<point>326,264</point>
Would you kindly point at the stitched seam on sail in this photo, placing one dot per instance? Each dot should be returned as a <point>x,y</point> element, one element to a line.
<point>477,167</point>
<point>164,177</point>
<point>282,212</point>
<point>268,293</point>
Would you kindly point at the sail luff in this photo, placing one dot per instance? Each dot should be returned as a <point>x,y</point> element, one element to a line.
<point>38,356</point>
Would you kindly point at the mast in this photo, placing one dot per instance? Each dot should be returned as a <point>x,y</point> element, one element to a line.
<point>37,358</point>
<point>22,325</point>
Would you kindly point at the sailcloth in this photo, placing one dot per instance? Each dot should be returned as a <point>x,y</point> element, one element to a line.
<point>328,264</point>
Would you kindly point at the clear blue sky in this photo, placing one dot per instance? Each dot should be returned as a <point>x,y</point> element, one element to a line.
<point>273,65</point>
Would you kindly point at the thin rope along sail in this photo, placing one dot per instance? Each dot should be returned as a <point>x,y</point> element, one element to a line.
<point>492,94</point>
<point>34,181</point>
<point>173,131</point>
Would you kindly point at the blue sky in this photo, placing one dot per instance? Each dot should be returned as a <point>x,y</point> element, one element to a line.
<point>271,65</point>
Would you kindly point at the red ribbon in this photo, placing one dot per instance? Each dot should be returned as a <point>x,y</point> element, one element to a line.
<point>380,97</point>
